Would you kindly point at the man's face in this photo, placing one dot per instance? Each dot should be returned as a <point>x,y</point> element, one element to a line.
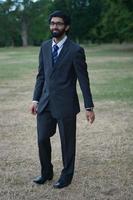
<point>57,27</point>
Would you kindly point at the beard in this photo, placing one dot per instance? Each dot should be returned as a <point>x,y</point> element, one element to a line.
<point>57,33</point>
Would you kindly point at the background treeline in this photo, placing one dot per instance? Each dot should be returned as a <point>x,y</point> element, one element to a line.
<point>25,22</point>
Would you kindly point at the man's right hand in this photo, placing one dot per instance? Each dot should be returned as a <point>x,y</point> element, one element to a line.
<point>33,108</point>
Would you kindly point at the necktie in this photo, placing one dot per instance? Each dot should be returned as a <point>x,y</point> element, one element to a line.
<point>55,53</point>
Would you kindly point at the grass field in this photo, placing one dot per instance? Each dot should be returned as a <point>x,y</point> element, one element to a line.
<point>104,161</point>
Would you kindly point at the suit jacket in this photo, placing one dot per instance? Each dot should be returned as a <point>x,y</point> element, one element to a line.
<point>56,84</point>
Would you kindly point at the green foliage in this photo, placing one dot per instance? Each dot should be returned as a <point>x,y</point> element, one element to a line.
<point>8,25</point>
<point>117,23</point>
<point>38,27</point>
<point>25,22</point>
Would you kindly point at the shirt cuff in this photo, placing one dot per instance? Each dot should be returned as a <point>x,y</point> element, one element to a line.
<point>34,101</point>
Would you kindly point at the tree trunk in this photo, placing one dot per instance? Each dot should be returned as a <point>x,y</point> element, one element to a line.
<point>24,34</point>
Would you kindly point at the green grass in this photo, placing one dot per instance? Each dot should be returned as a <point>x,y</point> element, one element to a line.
<point>111,72</point>
<point>115,89</point>
<point>110,69</point>
<point>15,63</point>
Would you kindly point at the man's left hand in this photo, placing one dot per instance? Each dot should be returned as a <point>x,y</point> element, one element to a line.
<point>90,115</point>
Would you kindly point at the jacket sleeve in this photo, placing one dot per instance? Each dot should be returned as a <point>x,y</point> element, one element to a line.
<point>39,79</point>
<point>83,77</point>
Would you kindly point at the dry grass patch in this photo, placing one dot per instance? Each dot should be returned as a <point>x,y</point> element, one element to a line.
<point>104,150</point>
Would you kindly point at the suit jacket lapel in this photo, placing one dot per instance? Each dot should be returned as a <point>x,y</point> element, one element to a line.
<point>49,57</point>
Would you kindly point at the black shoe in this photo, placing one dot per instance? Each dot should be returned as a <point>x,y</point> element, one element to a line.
<point>61,183</point>
<point>42,179</point>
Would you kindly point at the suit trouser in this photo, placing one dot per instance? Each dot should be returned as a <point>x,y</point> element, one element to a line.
<point>46,127</point>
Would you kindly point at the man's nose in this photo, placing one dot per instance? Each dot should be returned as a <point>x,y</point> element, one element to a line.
<point>55,25</point>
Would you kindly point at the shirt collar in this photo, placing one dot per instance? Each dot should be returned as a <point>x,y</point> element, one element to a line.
<point>59,44</point>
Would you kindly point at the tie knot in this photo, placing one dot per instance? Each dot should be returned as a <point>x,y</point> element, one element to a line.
<point>55,47</point>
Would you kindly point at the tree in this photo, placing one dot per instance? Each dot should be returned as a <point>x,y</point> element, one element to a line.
<point>117,21</point>
<point>23,12</point>
<point>24,22</point>
<point>8,24</point>
<point>38,27</point>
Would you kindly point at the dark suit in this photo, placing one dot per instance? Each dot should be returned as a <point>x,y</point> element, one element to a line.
<point>55,90</point>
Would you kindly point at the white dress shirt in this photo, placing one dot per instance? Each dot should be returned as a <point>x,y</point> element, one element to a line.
<point>59,44</point>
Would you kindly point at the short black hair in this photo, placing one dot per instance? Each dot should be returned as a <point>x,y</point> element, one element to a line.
<point>61,14</point>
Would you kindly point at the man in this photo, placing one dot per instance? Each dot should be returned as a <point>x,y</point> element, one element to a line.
<point>55,100</point>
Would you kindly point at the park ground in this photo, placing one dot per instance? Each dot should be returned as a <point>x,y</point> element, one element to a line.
<point>104,159</point>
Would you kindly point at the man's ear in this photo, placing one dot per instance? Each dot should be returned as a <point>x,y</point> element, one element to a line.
<point>67,28</point>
